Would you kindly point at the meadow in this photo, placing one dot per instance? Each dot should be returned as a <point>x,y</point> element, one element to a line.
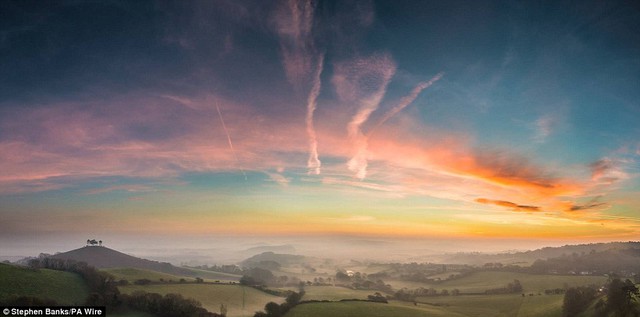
<point>369,309</point>
<point>134,274</point>
<point>63,287</point>
<point>334,293</point>
<point>497,305</point>
<point>478,282</point>
<point>240,300</point>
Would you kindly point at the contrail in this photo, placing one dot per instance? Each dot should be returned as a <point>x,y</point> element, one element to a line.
<point>313,163</point>
<point>404,102</point>
<point>224,126</point>
<point>385,68</point>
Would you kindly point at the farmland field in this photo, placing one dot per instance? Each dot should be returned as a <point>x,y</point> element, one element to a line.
<point>133,274</point>
<point>481,281</point>
<point>334,293</point>
<point>498,305</point>
<point>212,276</point>
<point>240,300</point>
<point>63,287</point>
<point>369,309</point>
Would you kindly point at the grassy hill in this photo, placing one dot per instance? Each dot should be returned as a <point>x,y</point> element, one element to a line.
<point>103,257</point>
<point>63,287</point>
<point>240,300</point>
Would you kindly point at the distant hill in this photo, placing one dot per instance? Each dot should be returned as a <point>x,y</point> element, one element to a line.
<point>270,248</point>
<point>103,257</point>
<point>528,257</point>
<point>269,257</point>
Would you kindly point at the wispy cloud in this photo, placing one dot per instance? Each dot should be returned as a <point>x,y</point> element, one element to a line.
<point>278,178</point>
<point>363,82</point>
<point>405,101</point>
<point>607,171</point>
<point>313,163</point>
<point>302,62</point>
<point>226,132</point>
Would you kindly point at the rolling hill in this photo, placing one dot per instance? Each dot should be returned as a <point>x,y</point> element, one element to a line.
<point>103,257</point>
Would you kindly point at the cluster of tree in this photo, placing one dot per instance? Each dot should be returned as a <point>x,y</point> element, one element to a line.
<point>514,287</point>
<point>577,299</point>
<point>169,305</point>
<point>257,277</point>
<point>554,291</point>
<point>363,281</point>
<point>622,299</point>
<point>377,297</point>
<point>231,268</point>
<point>102,286</point>
<point>425,272</point>
<point>272,309</point>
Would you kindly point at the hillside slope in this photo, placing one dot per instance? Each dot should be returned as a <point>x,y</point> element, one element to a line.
<point>63,287</point>
<point>103,257</point>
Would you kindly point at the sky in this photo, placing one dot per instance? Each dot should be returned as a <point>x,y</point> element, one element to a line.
<point>429,121</point>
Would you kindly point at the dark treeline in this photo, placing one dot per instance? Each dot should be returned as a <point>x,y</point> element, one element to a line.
<point>617,298</point>
<point>103,291</point>
<point>230,268</point>
<point>102,286</point>
<point>169,305</point>
<point>272,309</point>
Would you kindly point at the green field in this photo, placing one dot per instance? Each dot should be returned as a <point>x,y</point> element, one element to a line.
<point>498,305</point>
<point>481,281</point>
<point>240,300</point>
<point>334,293</point>
<point>63,287</point>
<point>369,309</point>
<point>214,276</point>
<point>133,274</point>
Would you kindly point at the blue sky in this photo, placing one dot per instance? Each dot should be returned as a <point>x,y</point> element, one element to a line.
<point>428,119</point>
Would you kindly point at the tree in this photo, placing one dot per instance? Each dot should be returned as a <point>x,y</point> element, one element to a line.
<point>272,309</point>
<point>576,299</point>
<point>342,276</point>
<point>621,297</point>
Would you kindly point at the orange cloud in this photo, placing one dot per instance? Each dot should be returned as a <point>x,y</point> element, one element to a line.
<point>508,204</point>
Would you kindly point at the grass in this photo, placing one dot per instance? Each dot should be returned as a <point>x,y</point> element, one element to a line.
<point>369,309</point>
<point>334,293</point>
<point>481,281</point>
<point>240,300</point>
<point>63,287</point>
<point>133,274</point>
<point>498,305</point>
<point>214,276</point>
